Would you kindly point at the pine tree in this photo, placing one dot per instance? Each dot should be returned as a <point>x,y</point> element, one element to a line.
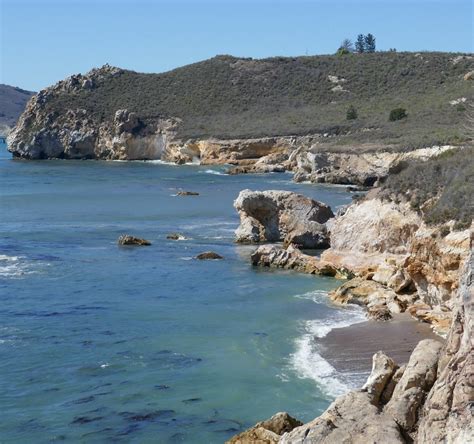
<point>369,43</point>
<point>360,43</point>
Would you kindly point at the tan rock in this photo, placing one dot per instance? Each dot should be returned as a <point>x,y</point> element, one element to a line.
<point>352,418</point>
<point>416,381</point>
<point>267,432</point>
<point>447,415</point>
<point>292,259</point>
<point>281,216</point>
<point>383,368</point>
<point>391,384</point>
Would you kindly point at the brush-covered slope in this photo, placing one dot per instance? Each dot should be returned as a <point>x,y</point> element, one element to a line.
<point>229,97</point>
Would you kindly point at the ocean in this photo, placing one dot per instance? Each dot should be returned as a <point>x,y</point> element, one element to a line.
<point>101,343</point>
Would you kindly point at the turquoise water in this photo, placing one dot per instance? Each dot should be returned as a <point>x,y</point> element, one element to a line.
<point>106,344</point>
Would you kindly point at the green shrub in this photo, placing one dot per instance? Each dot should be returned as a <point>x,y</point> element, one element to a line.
<point>397,114</point>
<point>230,97</point>
<point>342,51</point>
<point>446,182</point>
<point>351,113</point>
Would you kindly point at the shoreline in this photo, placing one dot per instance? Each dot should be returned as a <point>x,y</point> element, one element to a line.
<point>350,349</point>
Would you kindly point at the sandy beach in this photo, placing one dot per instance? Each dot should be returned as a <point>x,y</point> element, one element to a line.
<point>350,349</point>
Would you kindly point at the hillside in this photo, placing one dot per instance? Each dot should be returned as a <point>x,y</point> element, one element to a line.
<point>12,103</point>
<point>441,188</point>
<point>230,97</point>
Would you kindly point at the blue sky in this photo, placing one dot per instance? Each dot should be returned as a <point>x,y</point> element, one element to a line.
<point>43,41</point>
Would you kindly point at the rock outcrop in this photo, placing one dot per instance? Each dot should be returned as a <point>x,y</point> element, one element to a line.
<point>126,239</point>
<point>209,255</point>
<point>42,133</point>
<point>267,432</point>
<point>387,409</point>
<point>447,413</point>
<point>396,263</point>
<point>272,216</point>
<point>365,165</point>
<point>428,401</point>
<point>291,258</point>
<point>407,265</point>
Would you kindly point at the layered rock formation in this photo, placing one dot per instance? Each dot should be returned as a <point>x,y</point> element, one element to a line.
<point>427,401</point>
<point>363,165</point>
<point>397,263</point>
<point>395,260</point>
<point>272,216</point>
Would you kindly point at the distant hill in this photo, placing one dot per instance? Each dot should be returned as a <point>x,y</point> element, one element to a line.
<point>231,97</point>
<point>12,103</point>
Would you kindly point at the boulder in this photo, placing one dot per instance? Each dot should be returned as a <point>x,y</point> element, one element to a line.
<point>391,384</point>
<point>416,381</point>
<point>361,291</point>
<point>126,239</point>
<point>267,432</point>
<point>383,368</point>
<point>209,255</point>
<point>351,419</point>
<point>291,258</point>
<point>379,312</point>
<point>272,216</point>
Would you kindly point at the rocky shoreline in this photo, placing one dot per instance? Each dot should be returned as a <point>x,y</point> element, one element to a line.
<point>42,133</point>
<point>393,263</point>
<point>390,259</point>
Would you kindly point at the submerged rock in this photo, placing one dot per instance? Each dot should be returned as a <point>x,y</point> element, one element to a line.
<point>176,236</point>
<point>272,216</point>
<point>187,193</point>
<point>209,255</point>
<point>126,239</point>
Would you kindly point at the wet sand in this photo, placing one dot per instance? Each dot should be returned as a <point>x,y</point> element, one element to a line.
<point>350,349</point>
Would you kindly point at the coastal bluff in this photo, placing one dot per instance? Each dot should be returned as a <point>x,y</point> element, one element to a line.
<point>393,262</point>
<point>241,112</point>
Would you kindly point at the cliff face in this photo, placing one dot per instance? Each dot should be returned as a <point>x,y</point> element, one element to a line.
<point>235,110</point>
<point>44,131</point>
<point>76,134</point>
<point>428,401</point>
<point>394,261</point>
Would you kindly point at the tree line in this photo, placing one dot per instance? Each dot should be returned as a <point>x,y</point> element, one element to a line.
<point>363,43</point>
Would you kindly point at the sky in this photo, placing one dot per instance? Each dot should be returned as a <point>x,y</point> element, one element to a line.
<point>43,41</point>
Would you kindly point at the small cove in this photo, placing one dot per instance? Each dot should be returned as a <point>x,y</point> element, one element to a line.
<point>102,343</point>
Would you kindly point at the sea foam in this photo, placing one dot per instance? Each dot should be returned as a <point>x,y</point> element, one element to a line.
<point>306,361</point>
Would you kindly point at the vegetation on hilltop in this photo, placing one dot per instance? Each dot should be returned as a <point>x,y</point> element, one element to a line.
<point>231,97</point>
<point>442,188</point>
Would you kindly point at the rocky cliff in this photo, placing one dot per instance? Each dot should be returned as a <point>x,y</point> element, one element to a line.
<point>427,401</point>
<point>396,262</point>
<point>242,112</point>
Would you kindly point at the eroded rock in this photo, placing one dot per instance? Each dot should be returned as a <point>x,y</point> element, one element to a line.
<point>267,432</point>
<point>274,216</point>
